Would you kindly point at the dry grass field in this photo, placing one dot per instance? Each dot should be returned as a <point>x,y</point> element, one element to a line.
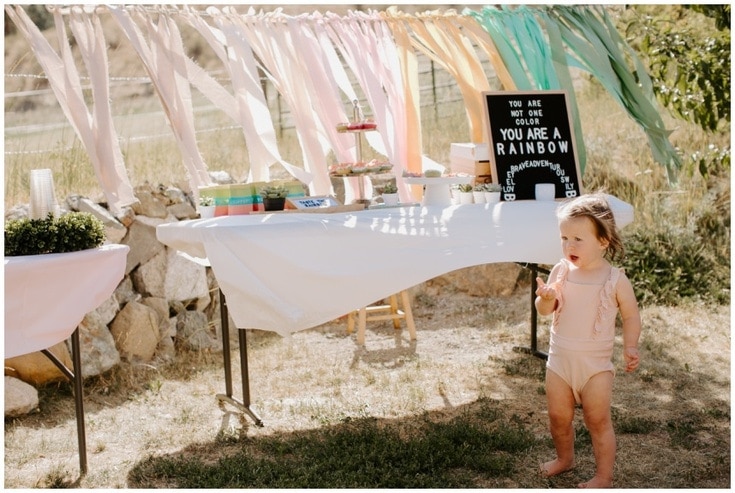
<point>671,416</point>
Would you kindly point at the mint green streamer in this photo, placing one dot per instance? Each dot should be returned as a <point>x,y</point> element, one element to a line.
<point>603,53</point>
<point>589,34</point>
<point>492,21</point>
<point>533,61</point>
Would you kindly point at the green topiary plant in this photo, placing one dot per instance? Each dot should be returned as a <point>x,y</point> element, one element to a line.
<point>69,233</point>
<point>274,192</point>
<point>390,187</point>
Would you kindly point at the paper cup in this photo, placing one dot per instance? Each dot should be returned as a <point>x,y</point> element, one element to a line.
<point>545,191</point>
<point>43,197</point>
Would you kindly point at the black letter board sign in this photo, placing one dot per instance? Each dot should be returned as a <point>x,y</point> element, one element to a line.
<point>531,141</point>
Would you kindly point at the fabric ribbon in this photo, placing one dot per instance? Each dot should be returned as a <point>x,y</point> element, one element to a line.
<point>591,35</point>
<point>94,128</point>
<point>164,61</point>
<point>247,105</point>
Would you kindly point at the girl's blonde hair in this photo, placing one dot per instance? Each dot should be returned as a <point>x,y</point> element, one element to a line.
<point>595,207</point>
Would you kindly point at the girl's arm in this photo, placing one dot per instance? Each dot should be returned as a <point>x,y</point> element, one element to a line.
<point>628,306</point>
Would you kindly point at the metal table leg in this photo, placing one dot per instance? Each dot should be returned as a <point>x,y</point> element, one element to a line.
<point>533,349</point>
<point>76,379</point>
<point>244,404</point>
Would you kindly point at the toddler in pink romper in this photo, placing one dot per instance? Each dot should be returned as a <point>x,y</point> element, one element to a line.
<point>582,328</point>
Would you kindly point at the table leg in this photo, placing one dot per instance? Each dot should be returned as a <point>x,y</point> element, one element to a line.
<point>77,383</point>
<point>243,405</point>
<point>533,349</point>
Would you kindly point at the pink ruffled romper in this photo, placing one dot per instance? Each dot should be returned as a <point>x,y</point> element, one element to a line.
<point>582,328</point>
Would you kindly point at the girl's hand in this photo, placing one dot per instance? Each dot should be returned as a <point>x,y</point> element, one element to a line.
<point>545,291</point>
<point>632,358</point>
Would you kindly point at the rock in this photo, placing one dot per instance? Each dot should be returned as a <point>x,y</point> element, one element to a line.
<point>160,305</point>
<point>37,369</point>
<point>114,229</point>
<point>185,280</point>
<point>176,195</point>
<point>17,212</point>
<point>20,398</point>
<point>126,216</point>
<point>125,292</point>
<point>136,331</point>
<point>98,351</point>
<point>108,310</point>
<point>150,205</point>
<point>221,177</point>
<point>192,329</point>
<point>148,278</point>
<point>141,239</point>
<point>182,210</point>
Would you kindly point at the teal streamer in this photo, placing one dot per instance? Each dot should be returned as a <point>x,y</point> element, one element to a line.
<point>561,64</point>
<point>533,61</point>
<point>591,35</point>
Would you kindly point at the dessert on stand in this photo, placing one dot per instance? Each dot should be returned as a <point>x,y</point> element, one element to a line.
<point>359,168</point>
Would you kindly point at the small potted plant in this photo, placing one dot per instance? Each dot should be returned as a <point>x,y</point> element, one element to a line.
<point>390,194</point>
<point>478,193</point>
<point>206,207</point>
<point>492,192</point>
<point>274,197</point>
<point>465,193</point>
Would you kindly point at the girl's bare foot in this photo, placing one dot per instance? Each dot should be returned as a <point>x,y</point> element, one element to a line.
<point>596,482</point>
<point>554,467</point>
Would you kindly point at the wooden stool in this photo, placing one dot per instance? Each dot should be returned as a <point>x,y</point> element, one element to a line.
<point>366,314</point>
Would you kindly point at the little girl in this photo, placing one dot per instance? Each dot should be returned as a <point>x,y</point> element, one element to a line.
<point>584,293</point>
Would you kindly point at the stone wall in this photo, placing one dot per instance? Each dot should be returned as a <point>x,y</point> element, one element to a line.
<point>166,301</point>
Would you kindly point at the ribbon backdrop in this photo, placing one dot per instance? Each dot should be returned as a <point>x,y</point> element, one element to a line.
<point>527,47</point>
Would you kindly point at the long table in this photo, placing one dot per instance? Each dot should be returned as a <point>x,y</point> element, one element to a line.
<point>287,272</point>
<point>47,296</point>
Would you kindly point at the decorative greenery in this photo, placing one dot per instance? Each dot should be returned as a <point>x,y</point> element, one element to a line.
<point>71,232</point>
<point>465,187</point>
<point>206,201</point>
<point>390,187</point>
<point>274,192</point>
<point>493,187</point>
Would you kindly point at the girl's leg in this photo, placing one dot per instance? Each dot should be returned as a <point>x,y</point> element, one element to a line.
<point>596,400</point>
<point>561,403</point>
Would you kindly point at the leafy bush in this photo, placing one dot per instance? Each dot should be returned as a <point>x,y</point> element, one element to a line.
<point>688,58</point>
<point>668,265</point>
<point>69,233</point>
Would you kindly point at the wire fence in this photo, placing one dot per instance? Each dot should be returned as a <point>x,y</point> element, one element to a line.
<point>35,123</point>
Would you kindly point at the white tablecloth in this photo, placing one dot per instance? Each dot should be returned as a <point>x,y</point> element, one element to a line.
<point>292,271</point>
<point>47,296</point>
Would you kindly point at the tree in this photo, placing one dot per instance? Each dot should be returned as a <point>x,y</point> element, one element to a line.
<point>688,53</point>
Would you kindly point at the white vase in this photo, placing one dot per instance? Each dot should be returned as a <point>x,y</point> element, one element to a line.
<point>206,211</point>
<point>390,198</point>
<point>479,196</point>
<point>492,197</point>
<point>465,197</point>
